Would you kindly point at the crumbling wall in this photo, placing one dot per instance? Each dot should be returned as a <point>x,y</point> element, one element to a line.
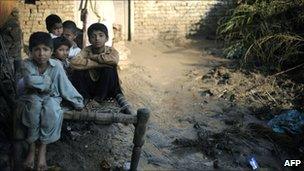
<point>152,19</point>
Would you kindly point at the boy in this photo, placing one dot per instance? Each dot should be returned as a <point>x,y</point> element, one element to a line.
<point>70,32</point>
<point>62,47</point>
<point>45,85</point>
<point>95,67</point>
<point>54,25</point>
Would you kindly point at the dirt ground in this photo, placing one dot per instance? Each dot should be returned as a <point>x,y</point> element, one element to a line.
<point>202,114</point>
<point>206,114</point>
<point>166,79</point>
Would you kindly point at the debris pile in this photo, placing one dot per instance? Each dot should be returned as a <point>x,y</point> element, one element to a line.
<point>242,103</point>
<point>275,92</point>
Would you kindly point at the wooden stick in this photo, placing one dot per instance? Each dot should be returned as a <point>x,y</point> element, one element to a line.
<point>83,18</point>
<point>138,140</point>
<point>100,118</point>
<point>272,98</point>
<point>80,6</point>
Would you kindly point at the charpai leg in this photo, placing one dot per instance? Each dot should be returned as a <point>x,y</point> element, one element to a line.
<point>140,130</point>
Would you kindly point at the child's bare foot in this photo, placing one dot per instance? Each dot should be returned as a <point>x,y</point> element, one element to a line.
<point>41,165</point>
<point>42,168</point>
<point>30,158</point>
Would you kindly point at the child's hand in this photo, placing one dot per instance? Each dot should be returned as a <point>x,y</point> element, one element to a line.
<point>94,57</point>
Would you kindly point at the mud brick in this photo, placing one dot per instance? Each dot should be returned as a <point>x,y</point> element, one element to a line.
<point>31,7</point>
<point>151,16</point>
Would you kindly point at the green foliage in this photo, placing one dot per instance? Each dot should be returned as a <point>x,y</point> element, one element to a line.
<point>234,51</point>
<point>268,32</point>
<point>277,50</point>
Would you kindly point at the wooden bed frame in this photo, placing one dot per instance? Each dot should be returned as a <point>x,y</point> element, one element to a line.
<point>139,120</point>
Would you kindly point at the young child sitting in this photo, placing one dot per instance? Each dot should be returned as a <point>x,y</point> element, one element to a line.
<point>61,51</point>
<point>46,84</point>
<point>54,25</point>
<point>95,67</point>
<point>70,31</point>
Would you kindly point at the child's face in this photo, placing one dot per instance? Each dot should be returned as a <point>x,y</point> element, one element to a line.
<point>68,34</point>
<point>98,39</point>
<point>62,52</point>
<point>41,54</point>
<point>57,29</point>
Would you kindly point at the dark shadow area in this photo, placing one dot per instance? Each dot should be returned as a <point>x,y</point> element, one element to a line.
<point>10,46</point>
<point>207,26</point>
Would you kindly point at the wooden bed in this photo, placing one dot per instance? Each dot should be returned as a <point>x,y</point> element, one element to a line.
<point>139,119</point>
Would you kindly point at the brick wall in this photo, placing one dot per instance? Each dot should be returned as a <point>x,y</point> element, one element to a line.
<point>173,19</point>
<point>32,17</point>
<point>161,19</point>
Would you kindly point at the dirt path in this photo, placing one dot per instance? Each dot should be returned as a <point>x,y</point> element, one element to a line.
<point>161,77</point>
<point>167,80</point>
<point>203,117</point>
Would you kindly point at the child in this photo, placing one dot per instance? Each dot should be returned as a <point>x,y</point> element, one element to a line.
<point>45,85</point>
<point>79,38</point>
<point>54,25</point>
<point>95,67</point>
<point>61,51</point>
<point>70,32</point>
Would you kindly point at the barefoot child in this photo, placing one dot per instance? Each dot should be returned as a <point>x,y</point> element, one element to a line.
<point>46,84</point>
<point>95,67</point>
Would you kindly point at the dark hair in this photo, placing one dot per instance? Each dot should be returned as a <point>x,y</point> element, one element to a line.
<point>79,38</point>
<point>58,41</point>
<point>68,24</point>
<point>51,20</point>
<point>99,27</point>
<point>38,38</point>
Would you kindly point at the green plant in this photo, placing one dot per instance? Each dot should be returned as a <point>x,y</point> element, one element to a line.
<point>265,32</point>
<point>277,50</point>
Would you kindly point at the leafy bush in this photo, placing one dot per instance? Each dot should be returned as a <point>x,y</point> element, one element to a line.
<point>265,32</point>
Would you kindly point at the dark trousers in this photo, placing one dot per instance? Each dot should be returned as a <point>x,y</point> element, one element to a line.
<point>105,87</point>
